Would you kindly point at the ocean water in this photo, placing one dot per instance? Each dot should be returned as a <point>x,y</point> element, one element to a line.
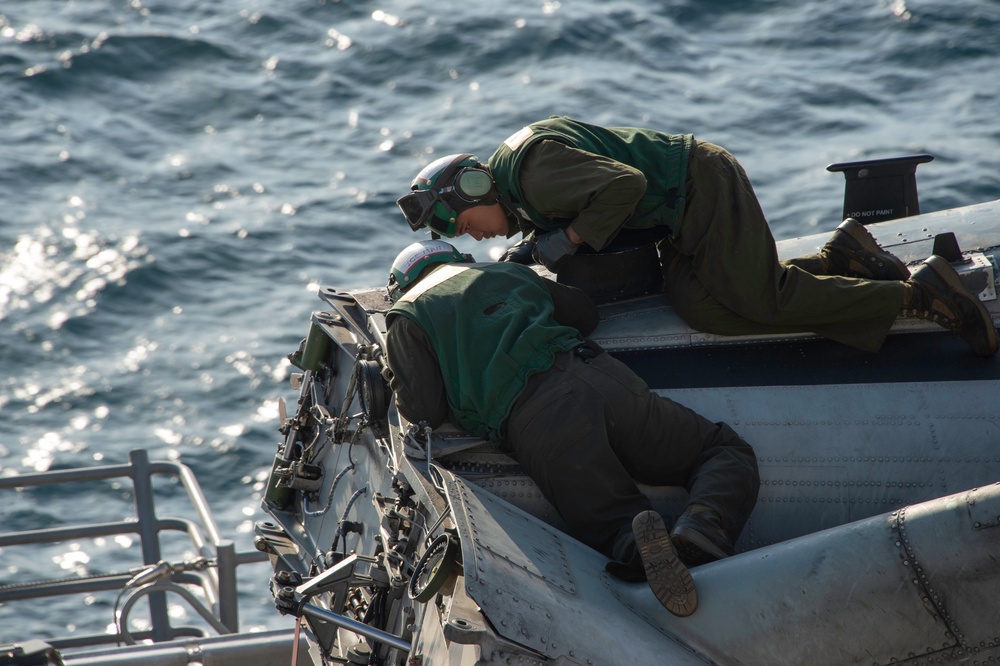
<point>179,177</point>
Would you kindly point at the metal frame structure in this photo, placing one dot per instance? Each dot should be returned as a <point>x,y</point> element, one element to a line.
<point>213,572</point>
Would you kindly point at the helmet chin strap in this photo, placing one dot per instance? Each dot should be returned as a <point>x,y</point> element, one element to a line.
<point>514,224</point>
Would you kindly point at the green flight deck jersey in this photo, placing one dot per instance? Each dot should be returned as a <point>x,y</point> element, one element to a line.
<point>657,159</point>
<point>484,380</point>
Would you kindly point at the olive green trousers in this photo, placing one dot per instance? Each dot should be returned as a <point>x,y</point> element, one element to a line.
<point>722,273</point>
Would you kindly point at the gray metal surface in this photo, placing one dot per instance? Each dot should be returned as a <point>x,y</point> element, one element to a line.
<point>866,546</point>
<point>548,592</point>
<point>976,227</point>
<point>918,585</point>
<point>832,454</point>
<point>272,648</point>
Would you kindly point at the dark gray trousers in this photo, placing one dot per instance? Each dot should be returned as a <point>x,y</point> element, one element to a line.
<point>587,430</point>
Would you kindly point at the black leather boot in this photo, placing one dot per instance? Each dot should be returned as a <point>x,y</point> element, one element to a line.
<point>699,537</point>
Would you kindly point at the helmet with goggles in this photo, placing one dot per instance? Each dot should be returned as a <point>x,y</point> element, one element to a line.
<point>412,261</point>
<point>443,189</point>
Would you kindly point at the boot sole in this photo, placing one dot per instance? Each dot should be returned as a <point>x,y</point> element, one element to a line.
<point>667,576</point>
<point>943,270</point>
<point>864,238</point>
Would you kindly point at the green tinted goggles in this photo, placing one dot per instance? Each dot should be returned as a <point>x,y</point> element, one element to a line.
<point>439,208</point>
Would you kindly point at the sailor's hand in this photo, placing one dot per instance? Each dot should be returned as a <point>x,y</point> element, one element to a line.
<point>520,252</point>
<point>552,248</point>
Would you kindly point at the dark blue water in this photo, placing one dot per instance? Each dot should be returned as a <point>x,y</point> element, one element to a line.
<point>179,177</point>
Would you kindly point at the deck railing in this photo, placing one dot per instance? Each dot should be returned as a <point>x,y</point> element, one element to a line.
<point>213,572</point>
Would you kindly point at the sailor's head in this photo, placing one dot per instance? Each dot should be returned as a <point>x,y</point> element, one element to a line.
<point>416,260</point>
<point>455,195</point>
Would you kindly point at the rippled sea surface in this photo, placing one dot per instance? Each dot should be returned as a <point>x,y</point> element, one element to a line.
<point>179,177</point>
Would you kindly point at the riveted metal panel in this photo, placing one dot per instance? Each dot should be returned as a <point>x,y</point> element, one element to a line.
<point>955,562</point>
<point>548,592</point>
<point>983,509</point>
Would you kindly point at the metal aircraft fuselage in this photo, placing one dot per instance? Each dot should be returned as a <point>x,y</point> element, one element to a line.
<point>875,539</point>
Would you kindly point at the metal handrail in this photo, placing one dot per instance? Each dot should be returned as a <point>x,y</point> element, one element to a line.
<point>217,583</point>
